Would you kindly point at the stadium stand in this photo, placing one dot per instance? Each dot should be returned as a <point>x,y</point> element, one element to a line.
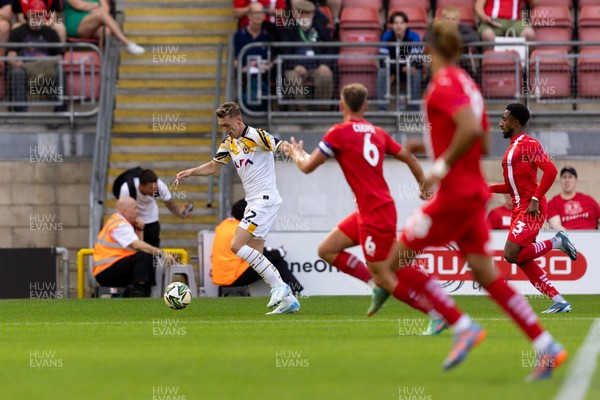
<point>588,73</point>
<point>401,4</point>
<point>554,77</point>
<point>467,16</point>
<point>589,23</point>
<point>456,3</point>
<point>501,74</point>
<point>417,19</point>
<point>552,24</point>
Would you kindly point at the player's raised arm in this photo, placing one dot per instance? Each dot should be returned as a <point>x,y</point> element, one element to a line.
<point>211,167</point>
<point>305,162</point>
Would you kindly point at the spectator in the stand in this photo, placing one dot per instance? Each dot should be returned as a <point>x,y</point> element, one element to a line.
<point>230,270</point>
<point>274,9</point>
<point>571,209</point>
<point>306,29</point>
<point>86,19</point>
<point>500,217</point>
<point>257,30</point>
<point>335,6</point>
<point>5,19</point>
<point>53,7</point>
<point>503,18</point>
<point>400,33</point>
<point>39,76</point>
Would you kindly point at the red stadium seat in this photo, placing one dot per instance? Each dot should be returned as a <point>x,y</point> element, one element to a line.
<point>587,3</point>
<point>554,78</point>
<point>360,35</point>
<point>378,4</point>
<point>467,16</point>
<point>426,4</point>
<point>417,19</point>
<point>501,74</point>
<point>588,73</point>
<point>359,18</point>
<point>589,24</point>
<point>552,24</point>
<point>455,3</point>
<point>358,68</point>
<point>78,84</point>
<point>568,3</point>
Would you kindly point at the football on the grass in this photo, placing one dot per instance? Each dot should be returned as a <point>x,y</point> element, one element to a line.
<point>178,295</point>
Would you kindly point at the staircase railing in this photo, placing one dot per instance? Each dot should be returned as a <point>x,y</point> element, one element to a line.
<point>102,140</point>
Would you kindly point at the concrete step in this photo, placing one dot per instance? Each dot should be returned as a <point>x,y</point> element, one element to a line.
<point>161,127</point>
<point>150,113</point>
<point>157,158</point>
<point>150,104</point>
<point>181,71</point>
<point>173,55</point>
<point>166,149</point>
<point>150,14</point>
<point>158,165</point>
<point>190,4</point>
<point>177,144</point>
<point>166,91</point>
<point>200,206</point>
<point>179,28</point>
<point>148,38</point>
<point>195,196</point>
<point>163,173</point>
<point>153,84</point>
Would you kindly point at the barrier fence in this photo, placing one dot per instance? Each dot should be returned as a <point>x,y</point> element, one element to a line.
<point>286,83</point>
<point>66,84</point>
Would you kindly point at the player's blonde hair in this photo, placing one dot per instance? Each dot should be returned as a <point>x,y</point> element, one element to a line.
<point>446,40</point>
<point>354,96</point>
<point>228,109</point>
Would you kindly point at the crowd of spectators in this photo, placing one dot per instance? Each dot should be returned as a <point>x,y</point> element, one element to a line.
<point>319,21</point>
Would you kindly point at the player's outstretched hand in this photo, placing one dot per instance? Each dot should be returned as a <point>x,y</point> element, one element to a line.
<point>296,148</point>
<point>181,175</point>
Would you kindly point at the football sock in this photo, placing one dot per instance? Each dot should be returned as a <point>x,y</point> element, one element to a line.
<point>559,299</point>
<point>261,265</point>
<point>556,242</point>
<point>351,265</point>
<point>424,286</point>
<point>516,307</point>
<point>533,250</point>
<point>538,278</point>
<point>410,297</point>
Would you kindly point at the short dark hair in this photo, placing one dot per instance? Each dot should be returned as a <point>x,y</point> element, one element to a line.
<point>237,210</point>
<point>519,112</point>
<point>148,176</point>
<point>570,170</point>
<point>397,14</point>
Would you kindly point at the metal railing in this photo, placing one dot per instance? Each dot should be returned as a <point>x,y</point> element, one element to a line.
<point>102,140</point>
<point>501,75</point>
<point>36,84</point>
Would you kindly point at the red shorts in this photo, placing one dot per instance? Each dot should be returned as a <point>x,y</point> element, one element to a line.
<point>441,222</point>
<point>376,239</point>
<point>524,227</point>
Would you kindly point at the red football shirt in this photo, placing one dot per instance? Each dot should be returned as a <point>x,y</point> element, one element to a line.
<point>500,217</point>
<point>504,9</point>
<point>271,4</point>
<point>520,164</point>
<point>359,148</point>
<point>580,212</point>
<point>450,91</point>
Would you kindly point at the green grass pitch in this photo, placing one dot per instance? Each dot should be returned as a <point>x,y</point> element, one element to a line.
<point>228,349</point>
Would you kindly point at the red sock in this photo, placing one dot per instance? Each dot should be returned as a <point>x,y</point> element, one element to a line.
<point>426,287</point>
<point>516,307</point>
<point>410,297</point>
<point>538,278</point>
<point>533,251</point>
<point>352,266</point>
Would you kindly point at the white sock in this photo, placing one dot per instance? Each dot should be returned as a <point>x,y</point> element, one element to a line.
<point>261,265</point>
<point>558,299</point>
<point>463,323</point>
<point>556,242</point>
<point>434,314</point>
<point>542,342</point>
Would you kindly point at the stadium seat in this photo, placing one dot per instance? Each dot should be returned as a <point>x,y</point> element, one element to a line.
<point>583,3</point>
<point>552,24</point>
<point>78,76</point>
<point>360,35</point>
<point>569,3</point>
<point>554,79</point>
<point>417,19</point>
<point>455,3</point>
<point>467,16</point>
<point>588,73</point>
<point>400,4</point>
<point>360,18</point>
<point>501,74</point>
<point>378,4</point>
<point>356,68</point>
<point>589,24</point>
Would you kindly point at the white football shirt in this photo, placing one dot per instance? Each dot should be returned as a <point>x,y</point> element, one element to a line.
<point>147,207</point>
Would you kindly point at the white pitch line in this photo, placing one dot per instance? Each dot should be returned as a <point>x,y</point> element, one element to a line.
<point>265,321</point>
<point>582,367</point>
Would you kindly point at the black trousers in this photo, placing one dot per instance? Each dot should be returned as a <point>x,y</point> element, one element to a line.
<point>250,275</point>
<point>152,234</point>
<point>138,267</point>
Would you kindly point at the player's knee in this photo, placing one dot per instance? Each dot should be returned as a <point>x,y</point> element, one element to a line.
<point>510,256</point>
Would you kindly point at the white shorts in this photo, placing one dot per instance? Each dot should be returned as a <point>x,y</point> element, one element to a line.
<point>258,219</point>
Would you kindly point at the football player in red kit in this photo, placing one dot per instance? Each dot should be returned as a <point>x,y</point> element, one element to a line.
<point>520,164</point>
<point>458,138</point>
